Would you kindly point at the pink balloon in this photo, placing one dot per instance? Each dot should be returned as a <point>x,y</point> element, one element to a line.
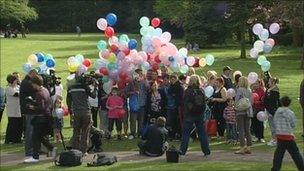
<point>166,37</point>
<point>190,61</point>
<point>172,50</point>
<point>156,42</point>
<point>105,54</point>
<point>143,55</point>
<point>270,41</point>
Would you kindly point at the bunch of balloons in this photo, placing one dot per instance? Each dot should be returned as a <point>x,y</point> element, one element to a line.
<point>39,61</point>
<point>265,44</point>
<point>79,64</point>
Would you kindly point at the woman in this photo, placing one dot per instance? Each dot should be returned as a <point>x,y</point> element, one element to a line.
<point>15,122</point>
<point>271,102</point>
<point>155,102</point>
<point>194,116</point>
<point>218,100</point>
<point>258,105</point>
<point>243,117</point>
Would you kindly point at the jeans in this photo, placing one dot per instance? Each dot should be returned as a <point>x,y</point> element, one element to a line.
<point>103,125</point>
<point>294,152</point>
<point>28,144</point>
<point>139,117</point>
<point>243,124</point>
<point>81,130</point>
<point>172,122</point>
<point>203,138</point>
<point>231,131</point>
<point>42,127</point>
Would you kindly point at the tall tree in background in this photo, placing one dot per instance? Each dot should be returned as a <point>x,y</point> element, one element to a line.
<point>16,11</point>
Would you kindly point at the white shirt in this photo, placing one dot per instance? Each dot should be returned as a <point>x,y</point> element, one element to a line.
<point>12,102</point>
<point>59,90</point>
<point>93,102</point>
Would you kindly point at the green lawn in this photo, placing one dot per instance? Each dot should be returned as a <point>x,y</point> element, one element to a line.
<point>285,63</point>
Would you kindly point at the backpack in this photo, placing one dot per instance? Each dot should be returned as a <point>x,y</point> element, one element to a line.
<point>103,159</point>
<point>199,102</point>
<point>69,158</point>
<point>243,104</point>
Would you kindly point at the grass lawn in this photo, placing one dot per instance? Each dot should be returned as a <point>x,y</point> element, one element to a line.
<point>285,63</point>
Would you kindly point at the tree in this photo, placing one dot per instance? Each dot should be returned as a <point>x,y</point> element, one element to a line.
<point>16,11</point>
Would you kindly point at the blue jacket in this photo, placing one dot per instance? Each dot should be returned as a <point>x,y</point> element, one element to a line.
<point>2,99</point>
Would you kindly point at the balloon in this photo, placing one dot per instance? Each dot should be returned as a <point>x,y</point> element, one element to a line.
<point>190,61</point>
<point>184,69</point>
<point>105,79</point>
<point>155,22</point>
<point>113,40</point>
<point>274,28</point>
<point>113,74</point>
<point>49,56</point>
<point>230,93</point>
<point>59,112</point>
<point>73,67</point>
<point>267,48</point>
<point>165,37</point>
<point>132,44</point>
<point>265,66</point>
<point>270,41</point>
<point>111,19</point>
<point>107,87</point>
<point>264,34</point>
<point>79,59</point>
<point>254,53</point>
<point>144,31</point>
<point>112,57</point>
<point>257,28</point>
<point>256,97</point>
<point>202,62</point>
<point>102,45</point>
<point>124,38</point>
<point>252,77</point>
<point>101,63</point>
<point>71,77</point>
<point>262,116</point>
<point>27,67</point>
<point>146,65</point>
<point>171,59</point>
<point>209,91</point>
<point>109,31</point>
<point>40,57</point>
<point>120,55</point>
<point>237,73</point>
<point>114,48</point>
<point>158,32</point>
<point>123,75</point>
<point>87,62</point>
<point>104,54</point>
<point>112,66</point>
<point>32,59</point>
<point>209,59</point>
<point>65,111</point>
<point>82,69</point>
<point>261,59</point>
<point>104,71</point>
<point>155,67</point>
<point>144,21</point>
<point>258,45</point>
<point>71,60</point>
<point>102,24</point>
<point>50,63</point>
<point>183,51</point>
<point>121,84</point>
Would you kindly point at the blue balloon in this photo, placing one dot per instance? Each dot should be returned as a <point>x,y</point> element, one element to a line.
<point>111,19</point>
<point>171,59</point>
<point>132,44</point>
<point>27,67</point>
<point>50,63</point>
<point>40,57</point>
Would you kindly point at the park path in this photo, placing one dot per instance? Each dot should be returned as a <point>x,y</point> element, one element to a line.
<point>133,156</point>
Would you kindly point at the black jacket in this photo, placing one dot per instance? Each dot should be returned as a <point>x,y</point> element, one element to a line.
<point>189,101</point>
<point>156,137</point>
<point>163,101</point>
<point>227,82</point>
<point>272,100</point>
<point>26,90</point>
<point>177,91</point>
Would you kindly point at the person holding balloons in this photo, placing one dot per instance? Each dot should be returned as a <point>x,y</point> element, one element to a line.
<point>226,76</point>
<point>259,92</point>
<point>271,102</point>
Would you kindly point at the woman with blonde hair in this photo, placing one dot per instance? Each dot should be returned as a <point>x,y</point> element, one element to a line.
<point>243,116</point>
<point>194,113</point>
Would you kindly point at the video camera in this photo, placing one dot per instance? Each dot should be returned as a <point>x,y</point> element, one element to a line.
<point>89,79</point>
<point>50,80</point>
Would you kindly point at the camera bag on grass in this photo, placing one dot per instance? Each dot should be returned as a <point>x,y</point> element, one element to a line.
<point>102,159</point>
<point>172,155</point>
<point>69,158</point>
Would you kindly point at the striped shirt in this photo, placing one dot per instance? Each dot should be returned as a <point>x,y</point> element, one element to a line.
<point>229,115</point>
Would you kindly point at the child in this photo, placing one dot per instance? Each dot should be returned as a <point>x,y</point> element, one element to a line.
<point>229,115</point>
<point>58,113</point>
<point>115,105</point>
<point>284,123</point>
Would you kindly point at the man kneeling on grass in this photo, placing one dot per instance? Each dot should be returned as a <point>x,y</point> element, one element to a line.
<point>154,141</point>
<point>284,123</point>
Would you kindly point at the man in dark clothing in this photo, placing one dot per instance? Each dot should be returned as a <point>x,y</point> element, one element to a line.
<point>42,121</point>
<point>226,76</point>
<point>154,141</point>
<point>26,91</point>
<point>77,101</point>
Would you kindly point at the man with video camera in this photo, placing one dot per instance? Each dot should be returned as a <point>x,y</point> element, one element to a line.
<point>77,101</point>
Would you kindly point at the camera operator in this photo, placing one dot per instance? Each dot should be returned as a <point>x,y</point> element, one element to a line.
<point>77,101</point>
<point>50,81</point>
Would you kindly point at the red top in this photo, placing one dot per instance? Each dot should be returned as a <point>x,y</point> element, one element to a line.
<point>285,137</point>
<point>259,105</point>
<point>114,101</point>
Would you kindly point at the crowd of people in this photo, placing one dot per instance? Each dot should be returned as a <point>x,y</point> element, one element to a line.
<point>157,106</point>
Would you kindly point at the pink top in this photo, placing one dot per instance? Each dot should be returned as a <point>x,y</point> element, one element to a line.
<point>114,101</point>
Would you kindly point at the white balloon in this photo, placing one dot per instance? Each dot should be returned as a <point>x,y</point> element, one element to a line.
<point>102,24</point>
<point>274,28</point>
<point>190,61</point>
<point>166,37</point>
<point>262,116</point>
<point>59,113</point>
<point>258,45</point>
<point>113,40</point>
<point>264,35</point>
<point>209,91</point>
<point>252,77</point>
<point>257,28</point>
<point>254,53</point>
<point>230,93</point>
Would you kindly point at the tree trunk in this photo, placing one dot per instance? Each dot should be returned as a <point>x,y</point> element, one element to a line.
<point>243,41</point>
<point>302,60</point>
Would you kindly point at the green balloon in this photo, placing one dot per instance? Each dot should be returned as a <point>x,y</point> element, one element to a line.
<point>184,69</point>
<point>144,21</point>
<point>144,31</point>
<point>112,66</point>
<point>102,45</point>
<point>209,59</point>
<point>105,79</point>
<point>265,66</point>
<point>261,59</point>
<point>124,38</point>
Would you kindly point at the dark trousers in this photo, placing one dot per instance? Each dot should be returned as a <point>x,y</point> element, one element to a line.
<point>118,124</point>
<point>293,150</point>
<point>203,138</point>
<point>42,127</point>
<point>14,130</point>
<point>257,127</point>
<point>94,111</point>
<point>172,122</point>
<point>231,131</point>
<point>1,113</point>
<point>139,117</point>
